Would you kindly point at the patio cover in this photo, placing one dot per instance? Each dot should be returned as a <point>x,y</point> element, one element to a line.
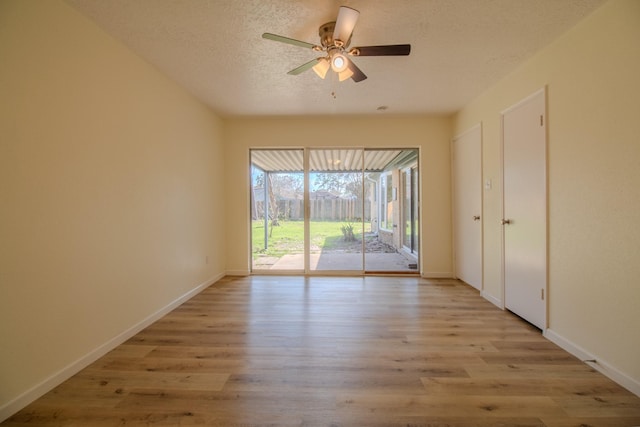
<point>330,160</point>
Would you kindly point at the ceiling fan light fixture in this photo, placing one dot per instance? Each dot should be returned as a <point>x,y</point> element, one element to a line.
<point>344,75</point>
<point>321,67</point>
<point>346,21</point>
<point>339,63</point>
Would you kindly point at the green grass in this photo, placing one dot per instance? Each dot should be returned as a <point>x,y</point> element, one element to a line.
<point>288,237</point>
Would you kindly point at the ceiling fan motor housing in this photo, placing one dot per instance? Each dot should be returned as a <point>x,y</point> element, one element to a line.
<point>326,37</point>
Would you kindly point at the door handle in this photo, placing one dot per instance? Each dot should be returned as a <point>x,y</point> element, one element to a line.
<point>505,221</point>
<point>476,217</point>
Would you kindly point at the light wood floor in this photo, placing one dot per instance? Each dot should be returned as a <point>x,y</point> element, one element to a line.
<point>374,351</point>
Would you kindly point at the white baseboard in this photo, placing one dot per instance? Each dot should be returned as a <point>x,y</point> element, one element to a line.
<point>16,404</point>
<point>493,300</point>
<point>437,275</point>
<point>241,273</point>
<point>599,365</point>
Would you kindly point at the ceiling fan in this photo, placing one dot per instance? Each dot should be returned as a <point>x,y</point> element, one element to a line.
<point>335,38</point>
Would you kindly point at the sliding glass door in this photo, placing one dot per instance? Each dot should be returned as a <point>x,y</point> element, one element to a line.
<point>323,210</point>
<point>277,210</point>
<point>392,202</point>
<point>336,210</point>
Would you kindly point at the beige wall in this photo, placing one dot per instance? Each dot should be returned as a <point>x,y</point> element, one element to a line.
<point>591,74</point>
<point>111,193</point>
<point>117,197</point>
<point>430,134</point>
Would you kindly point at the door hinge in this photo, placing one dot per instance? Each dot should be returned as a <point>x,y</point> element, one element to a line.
<point>542,294</point>
<point>541,120</point>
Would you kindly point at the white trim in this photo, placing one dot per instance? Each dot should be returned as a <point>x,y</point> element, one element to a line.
<point>437,275</point>
<point>38,390</point>
<point>593,361</point>
<point>523,101</point>
<point>241,273</point>
<point>493,300</point>
<point>465,132</point>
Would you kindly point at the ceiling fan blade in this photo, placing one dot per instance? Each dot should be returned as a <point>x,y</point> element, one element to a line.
<point>304,67</point>
<point>388,50</point>
<point>287,40</point>
<point>346,21</point>
<point>358,75</point>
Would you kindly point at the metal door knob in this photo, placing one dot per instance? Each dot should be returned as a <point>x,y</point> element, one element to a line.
<point>476,217</point>
<point>505,221</point>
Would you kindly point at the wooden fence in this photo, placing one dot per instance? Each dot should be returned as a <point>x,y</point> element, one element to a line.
<point>320,209</point>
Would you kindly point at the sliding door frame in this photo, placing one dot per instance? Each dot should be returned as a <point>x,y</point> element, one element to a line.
<point>307,213</point>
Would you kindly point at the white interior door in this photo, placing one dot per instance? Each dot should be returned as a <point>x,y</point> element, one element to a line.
<point>525,209</point>
<point>467,206</point>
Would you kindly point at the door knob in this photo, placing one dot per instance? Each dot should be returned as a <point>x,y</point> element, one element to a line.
<point>505,221</point>
<point>476,217</point>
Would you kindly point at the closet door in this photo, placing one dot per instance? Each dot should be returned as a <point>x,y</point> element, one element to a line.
<point>467,206</point>
<point>525,209</point>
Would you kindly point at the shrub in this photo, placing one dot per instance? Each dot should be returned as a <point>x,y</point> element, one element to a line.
<point>347,233</point>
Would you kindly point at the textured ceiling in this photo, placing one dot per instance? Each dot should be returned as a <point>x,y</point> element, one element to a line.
<point>214,49</point>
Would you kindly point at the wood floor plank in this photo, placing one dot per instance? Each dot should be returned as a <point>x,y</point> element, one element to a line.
<point>443,406</point>
<point>599,405</point>
<point>156,378</point>
<point>528,371</point>
<point>336,351</point>
<point>518,387</point>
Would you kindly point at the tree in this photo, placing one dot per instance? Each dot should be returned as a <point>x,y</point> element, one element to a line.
<point>345,184</point>
<point>353,185</point>
<point>274,209</point>
<point>282,185</point>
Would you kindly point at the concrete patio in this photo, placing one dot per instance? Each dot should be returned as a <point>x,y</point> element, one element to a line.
<point>337,261</point>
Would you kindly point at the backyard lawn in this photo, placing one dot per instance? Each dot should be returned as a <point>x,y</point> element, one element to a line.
<point>288,237</point>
